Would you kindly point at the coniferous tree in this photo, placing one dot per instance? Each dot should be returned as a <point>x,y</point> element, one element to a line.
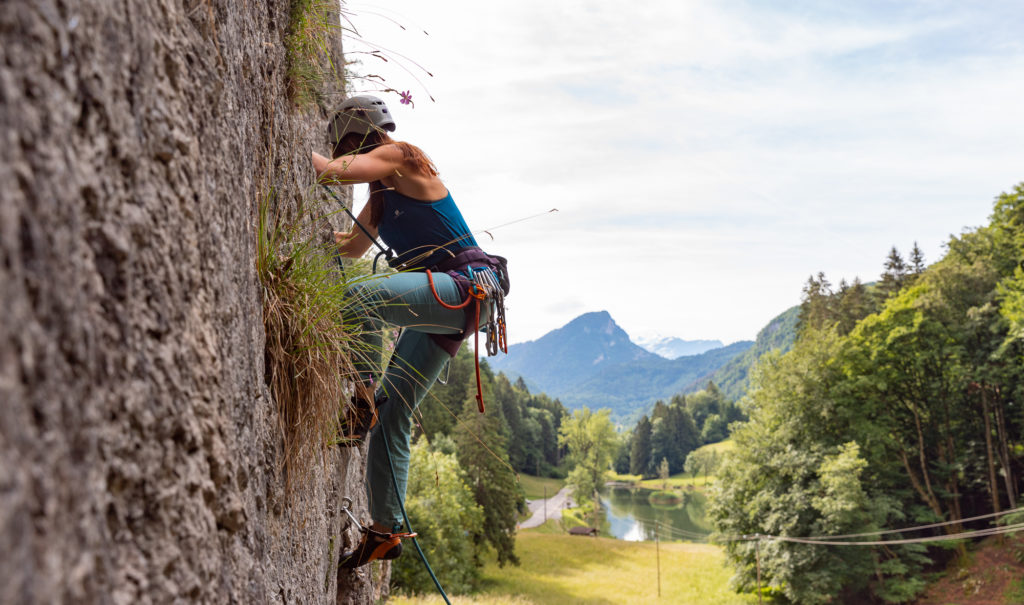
<point>917,265</point>
<point>640,453</point>
<point>894,275</point>
<point>816,303</point>
<point>482,453</point>
<point>854,304</point>
<point>661,444</point>
<point>686,433</point>
<point>548,422</point>
<point>510,403</point>
<point>662,437</point>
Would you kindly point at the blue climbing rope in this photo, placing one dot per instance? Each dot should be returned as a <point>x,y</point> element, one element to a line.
<point>405,517</point>
<point>387,443</point>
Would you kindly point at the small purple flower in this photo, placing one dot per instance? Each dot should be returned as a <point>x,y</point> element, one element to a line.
<point>406,98</point>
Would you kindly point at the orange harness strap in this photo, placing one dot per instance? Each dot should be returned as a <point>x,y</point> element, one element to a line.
<point>475,293</point>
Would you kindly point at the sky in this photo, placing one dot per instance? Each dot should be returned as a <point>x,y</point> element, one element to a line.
<point>705,157</point>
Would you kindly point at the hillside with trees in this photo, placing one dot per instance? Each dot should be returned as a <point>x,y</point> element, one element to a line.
<point>734,376</point>
<point>899,405</point>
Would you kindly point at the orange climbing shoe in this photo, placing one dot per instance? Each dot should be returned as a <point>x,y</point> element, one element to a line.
<point>374,545</point>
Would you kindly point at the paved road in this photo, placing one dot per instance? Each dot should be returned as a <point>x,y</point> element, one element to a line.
<point>555,504</point>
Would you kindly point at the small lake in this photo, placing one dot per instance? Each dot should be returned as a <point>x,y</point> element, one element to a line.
<point>630,513</point>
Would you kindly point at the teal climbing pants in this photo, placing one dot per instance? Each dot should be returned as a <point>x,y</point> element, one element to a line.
<point>404,300</point>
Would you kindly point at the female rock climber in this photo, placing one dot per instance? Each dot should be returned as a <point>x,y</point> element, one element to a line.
<point>440,268</point>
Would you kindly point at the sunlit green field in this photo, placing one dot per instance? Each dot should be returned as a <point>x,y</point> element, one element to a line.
<point>534,486</point>
<point>562,569</point>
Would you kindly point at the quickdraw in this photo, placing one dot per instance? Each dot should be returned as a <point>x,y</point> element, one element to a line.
<point>497,338</point>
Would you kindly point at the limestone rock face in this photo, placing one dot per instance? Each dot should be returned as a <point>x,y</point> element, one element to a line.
<point>140,453</point>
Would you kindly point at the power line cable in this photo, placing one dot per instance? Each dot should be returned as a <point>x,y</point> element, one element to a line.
<point>832,539</point>
<point>995,531</point>
<point>917,528</point>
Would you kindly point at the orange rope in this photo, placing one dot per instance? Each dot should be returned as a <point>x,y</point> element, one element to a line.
<point>475,293</point>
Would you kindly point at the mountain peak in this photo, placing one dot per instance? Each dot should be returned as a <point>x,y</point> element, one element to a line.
<point>593,317</point>
<point>574,352</point>
<point>596,321</point>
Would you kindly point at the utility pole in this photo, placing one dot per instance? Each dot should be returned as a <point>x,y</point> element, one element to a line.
<point>657,550</point>
<point>757,554</point>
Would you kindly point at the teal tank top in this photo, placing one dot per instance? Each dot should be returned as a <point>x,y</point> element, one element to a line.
<point>423,233</point>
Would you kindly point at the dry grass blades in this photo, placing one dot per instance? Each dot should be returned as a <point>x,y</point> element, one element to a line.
<point>309,347</point>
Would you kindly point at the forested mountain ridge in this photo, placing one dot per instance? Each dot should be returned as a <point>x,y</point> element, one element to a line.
<point>629,389</point>
<point>733,377</point>
<point>592,362</point>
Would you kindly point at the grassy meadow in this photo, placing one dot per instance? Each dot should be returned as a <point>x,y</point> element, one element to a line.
<point>535,486</point>
<point>559,569</point>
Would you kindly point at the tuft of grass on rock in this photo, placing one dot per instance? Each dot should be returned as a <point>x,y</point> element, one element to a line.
<point>313,25</point>
<point>309,347</point>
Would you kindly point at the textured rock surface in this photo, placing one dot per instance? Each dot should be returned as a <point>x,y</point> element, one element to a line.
<point>139,454</point>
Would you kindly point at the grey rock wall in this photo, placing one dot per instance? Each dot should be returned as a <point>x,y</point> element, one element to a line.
<point>139,449</point>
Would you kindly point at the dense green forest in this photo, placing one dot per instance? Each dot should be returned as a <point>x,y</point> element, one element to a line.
<point>899,404</point>
<point>675,429</point>
<point>733,377</point>
<point>528,422</point>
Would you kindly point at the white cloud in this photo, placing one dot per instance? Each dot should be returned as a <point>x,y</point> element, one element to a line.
<point>707,157</point>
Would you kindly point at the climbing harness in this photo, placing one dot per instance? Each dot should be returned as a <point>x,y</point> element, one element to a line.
<point>478,294</point>
<point>481,275</point>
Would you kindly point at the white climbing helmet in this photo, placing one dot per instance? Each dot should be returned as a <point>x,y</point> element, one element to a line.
<point>361,115</point>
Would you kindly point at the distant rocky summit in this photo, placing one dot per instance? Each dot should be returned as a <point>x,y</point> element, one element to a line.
<point>671,347</point>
